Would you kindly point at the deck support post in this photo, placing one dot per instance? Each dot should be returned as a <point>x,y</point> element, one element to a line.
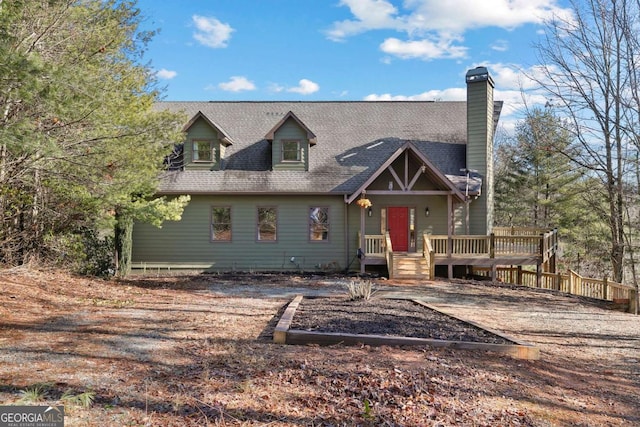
<point>541,264</point>
<point>519,276</point>
<point>449,253</point>
<point>492,245</point>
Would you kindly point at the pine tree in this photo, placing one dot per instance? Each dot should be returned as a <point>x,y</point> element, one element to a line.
<point>538,186</point>
<point>79,138</point>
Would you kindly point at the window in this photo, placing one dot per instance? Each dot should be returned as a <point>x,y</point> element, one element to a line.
<point>202,151</point>
<point>318,224</point>
<point>267,224</point>
<point>291,151</point>
<point>221,224</point>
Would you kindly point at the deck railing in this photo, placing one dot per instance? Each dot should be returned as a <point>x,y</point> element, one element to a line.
<point>519,231</point>
<point>570,283</point>
<point>493,245</point>
<point>373,244</point>
<point>429,256</point>
<point>544,244</point>
<point>458,245</point>
<point>388,253</point>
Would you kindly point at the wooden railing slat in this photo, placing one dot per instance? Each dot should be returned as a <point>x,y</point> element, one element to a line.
<point>570,283</point>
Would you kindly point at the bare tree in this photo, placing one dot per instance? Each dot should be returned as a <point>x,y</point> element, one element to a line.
<point>588,69</point>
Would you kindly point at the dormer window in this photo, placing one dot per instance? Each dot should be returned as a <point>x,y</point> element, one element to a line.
<point>291,141</point>
<point>205,145</point>
<point>291,151</point>
<point>202,150</point>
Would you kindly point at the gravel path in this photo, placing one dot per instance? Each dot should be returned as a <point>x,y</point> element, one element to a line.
<point>554,322</point>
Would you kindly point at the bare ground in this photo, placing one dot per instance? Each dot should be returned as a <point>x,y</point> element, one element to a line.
<point>196,350</point>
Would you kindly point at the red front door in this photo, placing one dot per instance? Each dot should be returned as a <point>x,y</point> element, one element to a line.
<point>398,226</point>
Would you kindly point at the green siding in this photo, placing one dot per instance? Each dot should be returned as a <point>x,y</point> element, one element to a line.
<point>290,130</point>
<point>480,152</point>
<point>186,242</point>
<point>201,130</point>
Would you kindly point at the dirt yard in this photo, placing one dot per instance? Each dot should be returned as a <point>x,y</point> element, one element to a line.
<point>196,350</point>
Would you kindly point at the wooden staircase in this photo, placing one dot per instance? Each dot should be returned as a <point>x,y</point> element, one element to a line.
<point>410,266</point>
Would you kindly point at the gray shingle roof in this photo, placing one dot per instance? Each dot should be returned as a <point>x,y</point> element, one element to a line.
<point>353,140</point>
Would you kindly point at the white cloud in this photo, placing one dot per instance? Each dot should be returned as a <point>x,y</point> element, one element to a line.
<point>458,16</point>
<point>211,32</point>
<point>369,14</point>
<point>275,88</point>
<point>514,76</point>
<point>500,45</point>
<point>165,74</point>
<point>452,94</point>
<point>423,49</point>
<point>305,87</point>
<point>513,86</point>
<point>431,26</point>
<point>516,87</point>
<point>237,84</point>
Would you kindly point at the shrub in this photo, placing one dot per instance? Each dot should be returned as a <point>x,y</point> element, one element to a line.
<point>85,251</point>
<point>360,289</point>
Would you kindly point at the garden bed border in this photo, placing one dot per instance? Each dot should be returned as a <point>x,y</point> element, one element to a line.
<point>283,334</point>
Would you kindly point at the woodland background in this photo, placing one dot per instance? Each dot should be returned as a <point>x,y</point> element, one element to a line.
<point>81,147</point>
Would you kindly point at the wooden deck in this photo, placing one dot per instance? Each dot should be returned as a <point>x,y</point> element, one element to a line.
<point>500,256</point>
<point>505,246</point>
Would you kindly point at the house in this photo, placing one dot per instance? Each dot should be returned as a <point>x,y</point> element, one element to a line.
<point>278,186</point>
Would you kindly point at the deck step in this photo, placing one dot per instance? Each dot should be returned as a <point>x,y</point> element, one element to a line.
<point>410,266</point>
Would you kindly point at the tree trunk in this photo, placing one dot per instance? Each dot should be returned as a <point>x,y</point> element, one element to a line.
<point>123,244</point>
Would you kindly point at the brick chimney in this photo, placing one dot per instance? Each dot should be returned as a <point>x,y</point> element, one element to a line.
<point>480,125</point>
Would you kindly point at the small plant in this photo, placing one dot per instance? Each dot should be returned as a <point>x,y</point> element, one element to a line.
<point>360,289</point>
<point>83,400</point>
<point>34,394</point>
<point>367,412</point>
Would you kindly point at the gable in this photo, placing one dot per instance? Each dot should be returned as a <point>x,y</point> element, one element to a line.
<point>288,118</point>
<point>199,118</point>
<point>290,142</point>
<point>203,148</point>
<point>408,171</point>
<point>205,144</point>
<point>290,146</point>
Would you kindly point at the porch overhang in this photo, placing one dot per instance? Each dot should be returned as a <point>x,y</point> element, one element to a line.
<point>445,186</point>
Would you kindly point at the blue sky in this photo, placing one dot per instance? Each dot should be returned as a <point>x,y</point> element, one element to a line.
<point>315,50</point>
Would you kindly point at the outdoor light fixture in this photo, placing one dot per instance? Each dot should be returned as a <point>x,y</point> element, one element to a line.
<point>426,211</point>
<point>370,212</point>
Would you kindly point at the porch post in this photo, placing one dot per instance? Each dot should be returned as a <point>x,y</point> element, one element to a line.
<point>449,234</point>
<point>466,212</point>
<point>362,241</point>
